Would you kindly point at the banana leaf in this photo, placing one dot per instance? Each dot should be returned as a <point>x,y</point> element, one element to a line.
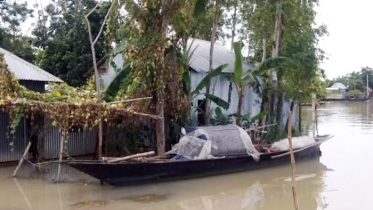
<point>206,81</point>
<point>115,85</point>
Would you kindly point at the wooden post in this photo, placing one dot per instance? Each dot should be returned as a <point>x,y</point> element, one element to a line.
<point>98,88</point>
<point>292,161</point>
<point>367,86</point>
<point>22,159</point>
<point>63,133</point>
<point>317,129</point>
<point>160,129</point>
<point>313,115</point>
<point>300,118</point>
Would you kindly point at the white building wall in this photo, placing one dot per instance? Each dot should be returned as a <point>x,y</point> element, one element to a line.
<point>220,88</point>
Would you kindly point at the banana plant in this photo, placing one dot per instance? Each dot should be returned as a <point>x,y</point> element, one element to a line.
<point>192,94</point>
<point>115,86</point>
<point>244,78</point>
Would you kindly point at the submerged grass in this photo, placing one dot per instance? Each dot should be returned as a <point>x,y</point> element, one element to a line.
<point>147,198</point>
<point>86,204</point>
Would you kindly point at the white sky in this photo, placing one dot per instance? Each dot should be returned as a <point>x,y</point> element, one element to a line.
<point>350,41</point>
<point>349,45</point>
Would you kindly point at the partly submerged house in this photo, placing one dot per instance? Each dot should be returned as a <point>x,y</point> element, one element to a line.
<point>336,91</point>
<point>199,66</point>
<point>12,147</point>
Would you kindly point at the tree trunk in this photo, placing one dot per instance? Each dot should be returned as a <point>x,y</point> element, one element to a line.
<point>265,97</point>
<point>234,19</point>
<point>280,100</point>
<point>239,108</point>
<point>213,34</point>
<point>291,110</point>
<point>97,80</point>
<point>275,53</point>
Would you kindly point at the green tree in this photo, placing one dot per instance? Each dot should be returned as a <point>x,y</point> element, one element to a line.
<point>290,24</point>
<point>65,45</point>
<point>12,15</point>
<point>202,24</point>
<point>244,78</point>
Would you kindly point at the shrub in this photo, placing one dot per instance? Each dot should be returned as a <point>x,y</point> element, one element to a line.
<point>355,93</point>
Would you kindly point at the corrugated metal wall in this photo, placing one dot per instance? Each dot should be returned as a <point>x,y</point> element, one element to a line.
<point>7,152</point>
<point>78,143</point>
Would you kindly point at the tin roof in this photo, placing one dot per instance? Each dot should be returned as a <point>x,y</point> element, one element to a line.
<point>337,86</point>
<point>24,70</point>
<point>201,56</point>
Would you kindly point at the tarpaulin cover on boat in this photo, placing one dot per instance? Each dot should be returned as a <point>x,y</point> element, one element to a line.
<point>214,141</point>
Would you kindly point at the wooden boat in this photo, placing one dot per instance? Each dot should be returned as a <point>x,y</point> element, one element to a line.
<point>155,170</point>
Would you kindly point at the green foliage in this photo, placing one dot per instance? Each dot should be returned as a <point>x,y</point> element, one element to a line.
<point>200,8</point>
<point>356,80</point>
<point>192,94</point>
<point>65,46</point>
<point>355,93</point>
<point>207,80</point>
<point>12,15</point>
<point>248,121</point>
<point>244,78</point>
<point>202,23</point>
<point>117,84</point>
<point>273,63</point>
<point>220,118</point>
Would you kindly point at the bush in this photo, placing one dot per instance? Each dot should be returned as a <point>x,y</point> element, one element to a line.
<point>355,93</point>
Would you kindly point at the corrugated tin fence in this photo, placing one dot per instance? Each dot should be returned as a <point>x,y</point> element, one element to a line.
<point>10,152</point>
<point>78,143</point>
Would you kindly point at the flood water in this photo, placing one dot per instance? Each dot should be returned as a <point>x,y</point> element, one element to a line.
<point>340,180</point>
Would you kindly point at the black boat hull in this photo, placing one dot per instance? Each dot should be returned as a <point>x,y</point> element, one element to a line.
<point>148,172</point>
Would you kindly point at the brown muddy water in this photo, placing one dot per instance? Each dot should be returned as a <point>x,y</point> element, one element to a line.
<point>339,180</point>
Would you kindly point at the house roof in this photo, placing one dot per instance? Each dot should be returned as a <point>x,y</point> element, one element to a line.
<point>201,56</point>
<point>337,86</point>
<point>24,70</point>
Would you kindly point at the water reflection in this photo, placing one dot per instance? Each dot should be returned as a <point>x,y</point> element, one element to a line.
<point>268,192</point>
<point>263,189</point>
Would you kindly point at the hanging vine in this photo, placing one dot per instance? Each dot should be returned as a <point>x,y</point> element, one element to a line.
<point>65,106</point>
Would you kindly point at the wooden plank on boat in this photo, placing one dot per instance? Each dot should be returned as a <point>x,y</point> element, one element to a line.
<point>145,154</point>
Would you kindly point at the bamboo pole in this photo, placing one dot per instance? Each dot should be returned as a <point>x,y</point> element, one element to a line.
<point>313,115</point>
<point>145,154</point>
<point>317,129</point>
<point>130,100</point>
<point>22,159</point>
<point>292,161</point>
<point>98,88</point>
<point>61,154</point>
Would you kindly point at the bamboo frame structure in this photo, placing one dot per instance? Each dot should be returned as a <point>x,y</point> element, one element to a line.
<point>22,159</point>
